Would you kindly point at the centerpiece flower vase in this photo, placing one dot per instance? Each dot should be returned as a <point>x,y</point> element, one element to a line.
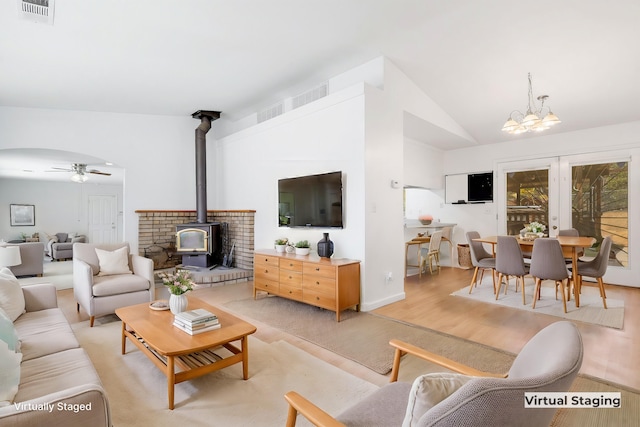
<point>178,303</point>
<point>325,246</point>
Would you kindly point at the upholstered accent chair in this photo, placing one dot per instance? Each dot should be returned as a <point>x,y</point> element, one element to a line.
<point>106,277</point>
<point>549,362</point>
<point>547,263</point>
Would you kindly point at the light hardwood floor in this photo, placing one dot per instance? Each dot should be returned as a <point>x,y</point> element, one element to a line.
<point>610,354</point>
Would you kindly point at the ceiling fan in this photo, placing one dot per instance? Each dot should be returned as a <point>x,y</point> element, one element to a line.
<point>80,172</point>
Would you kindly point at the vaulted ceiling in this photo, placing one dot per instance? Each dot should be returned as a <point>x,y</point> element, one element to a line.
<point>471,57</point>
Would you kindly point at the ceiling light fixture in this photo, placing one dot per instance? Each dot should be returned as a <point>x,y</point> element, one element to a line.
<point>79,177</point>
<point>535,120</point>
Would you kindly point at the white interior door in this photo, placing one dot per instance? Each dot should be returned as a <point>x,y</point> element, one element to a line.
<point>103,225</point>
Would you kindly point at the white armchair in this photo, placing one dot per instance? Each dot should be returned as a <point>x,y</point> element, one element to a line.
<point>99,293</point>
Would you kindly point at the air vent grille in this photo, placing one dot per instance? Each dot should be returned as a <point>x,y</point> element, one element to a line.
<point>271,112</point>
<point>310,95</point>
<point>37,10</point>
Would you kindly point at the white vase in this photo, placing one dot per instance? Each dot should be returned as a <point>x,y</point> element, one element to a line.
<point>303,251</point>
<point>280,248</point>
<point>178,303</point>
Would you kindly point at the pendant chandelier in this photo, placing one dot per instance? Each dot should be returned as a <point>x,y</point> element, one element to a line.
<point>534,120</point>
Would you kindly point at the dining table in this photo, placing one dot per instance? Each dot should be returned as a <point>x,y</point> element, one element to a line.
<point>570,245</point>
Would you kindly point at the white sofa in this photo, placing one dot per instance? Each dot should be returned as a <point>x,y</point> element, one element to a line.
<point>59,385</point>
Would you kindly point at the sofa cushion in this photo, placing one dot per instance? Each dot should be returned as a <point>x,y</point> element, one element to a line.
<point>8,332</point>
<point>55,372</point>
<point>384,407</point>
<point>44,332</point>
<point>120,284</point>
<point>113,262</point>
<point>9,374</point>
<point>428,390</point>
<point>11,297</point>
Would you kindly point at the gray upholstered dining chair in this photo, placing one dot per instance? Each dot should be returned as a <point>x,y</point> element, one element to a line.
<point>480,259</point>
<point>596,268</point>
<point>569,232</point>
<point>549,362</point>
<point>547,263</point>
<point>510,262</point>
<point>431,254</point>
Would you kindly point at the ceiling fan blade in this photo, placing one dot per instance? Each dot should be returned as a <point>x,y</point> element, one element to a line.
<point>97,172</point>
<point>60,170</point>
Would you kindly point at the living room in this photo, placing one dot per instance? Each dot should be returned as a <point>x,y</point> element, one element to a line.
<point>362,127</point>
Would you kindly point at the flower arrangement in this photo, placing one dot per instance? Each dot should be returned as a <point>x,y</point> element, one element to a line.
<point>178,283</point>
<point>535,227</point>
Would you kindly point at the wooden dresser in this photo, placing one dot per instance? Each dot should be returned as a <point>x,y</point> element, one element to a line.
<point>333,284</point>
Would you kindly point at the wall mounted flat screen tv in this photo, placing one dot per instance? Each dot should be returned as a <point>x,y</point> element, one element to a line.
<point>480,187</point>
<point>311,201</point>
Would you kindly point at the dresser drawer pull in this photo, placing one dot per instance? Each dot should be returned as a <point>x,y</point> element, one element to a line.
<point>290,277</point>
<point>317,268</point>
<point>266,259</point>
<point>290,265</point>
<point>266,271</point>
<point>317,283</point>
<point>318,298</point>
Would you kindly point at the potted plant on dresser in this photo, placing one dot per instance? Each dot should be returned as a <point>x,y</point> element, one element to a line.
<point>303,247</point>
<point>281,244</point>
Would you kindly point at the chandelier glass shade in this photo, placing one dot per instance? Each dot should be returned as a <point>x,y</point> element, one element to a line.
<point>534,120</point>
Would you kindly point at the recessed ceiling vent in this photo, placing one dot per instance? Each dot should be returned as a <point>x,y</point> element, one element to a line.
<point>310,96</point>
<point>37,10</point>
<point>270,112</point>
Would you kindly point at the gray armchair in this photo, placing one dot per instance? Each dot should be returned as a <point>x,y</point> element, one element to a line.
<point>101,294</point>
<point>549,362</point>
<point>60,246</point>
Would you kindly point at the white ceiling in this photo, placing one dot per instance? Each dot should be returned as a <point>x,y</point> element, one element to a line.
<point>471,57</point>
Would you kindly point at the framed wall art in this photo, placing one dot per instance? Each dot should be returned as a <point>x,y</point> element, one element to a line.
<point>22,215</point>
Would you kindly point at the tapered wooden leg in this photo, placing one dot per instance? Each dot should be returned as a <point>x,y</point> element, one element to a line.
<point>536,292</point>
<point>171,380</point>
<point>124,338</point>
<point>244,345</point>
<point>524,302</point>
<point>602,292</point>
<point>564,296</point>
<point>473,279</point>
<point>292,414</point>
<point>78,307</point>
<point>499,285</point>
<point>91,319</point>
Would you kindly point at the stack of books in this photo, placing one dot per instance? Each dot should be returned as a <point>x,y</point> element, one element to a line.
<point>196,321</point>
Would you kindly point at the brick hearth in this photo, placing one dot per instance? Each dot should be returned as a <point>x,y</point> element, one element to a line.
<point>156,240</point>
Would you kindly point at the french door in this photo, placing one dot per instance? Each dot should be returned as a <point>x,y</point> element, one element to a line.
<point>589,192</point>
<point>103,212</point>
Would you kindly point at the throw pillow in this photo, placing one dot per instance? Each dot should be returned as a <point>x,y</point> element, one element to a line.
<point>113,262</point>
<point>9,374</point>
<point>11,296</point>
<point>428,390</point>
<point>8,332</point>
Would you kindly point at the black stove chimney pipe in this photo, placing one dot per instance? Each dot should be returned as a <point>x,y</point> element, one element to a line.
<point>205,117</point>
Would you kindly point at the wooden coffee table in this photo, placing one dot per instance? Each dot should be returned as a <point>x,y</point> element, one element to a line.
<point>176,353</point>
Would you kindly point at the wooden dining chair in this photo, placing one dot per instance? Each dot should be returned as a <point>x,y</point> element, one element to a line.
<point>480,259</point>
<point>510,262</point>
<point>431,254</point>
<point>547,263</point>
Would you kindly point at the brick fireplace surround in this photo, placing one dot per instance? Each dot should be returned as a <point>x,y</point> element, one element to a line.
<point>157,235</point>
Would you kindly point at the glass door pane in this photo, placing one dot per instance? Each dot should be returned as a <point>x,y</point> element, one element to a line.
<point>600,206</point>
<point>527,199</point>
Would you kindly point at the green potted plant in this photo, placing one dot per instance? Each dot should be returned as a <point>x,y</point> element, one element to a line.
<point>303,247</point>
<point>281,244</point>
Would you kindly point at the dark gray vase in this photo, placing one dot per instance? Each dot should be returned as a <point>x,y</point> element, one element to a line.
<point>325,246</point>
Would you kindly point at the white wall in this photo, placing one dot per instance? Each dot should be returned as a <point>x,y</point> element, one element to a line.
<point>60,207</point>
<point>157,152</point>
<point>321,137</point>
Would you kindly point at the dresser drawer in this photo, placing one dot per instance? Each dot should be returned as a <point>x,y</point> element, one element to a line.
<point>266,272</point>
<point>319,284</point>
<point>291,292</point>
<point>266,260</point>
<point>266,285</point>
<point>291,278</point>
<point>319,270</point>
<point>319,299</point>
<point>291,264</point>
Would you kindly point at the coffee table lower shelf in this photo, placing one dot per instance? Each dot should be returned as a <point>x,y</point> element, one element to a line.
<point>191,365</point>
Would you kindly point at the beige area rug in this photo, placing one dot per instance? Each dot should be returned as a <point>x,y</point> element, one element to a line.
<point>590,310</point>
<point>137,390</point>
<point>59,273</point>
<point>364,337</point>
